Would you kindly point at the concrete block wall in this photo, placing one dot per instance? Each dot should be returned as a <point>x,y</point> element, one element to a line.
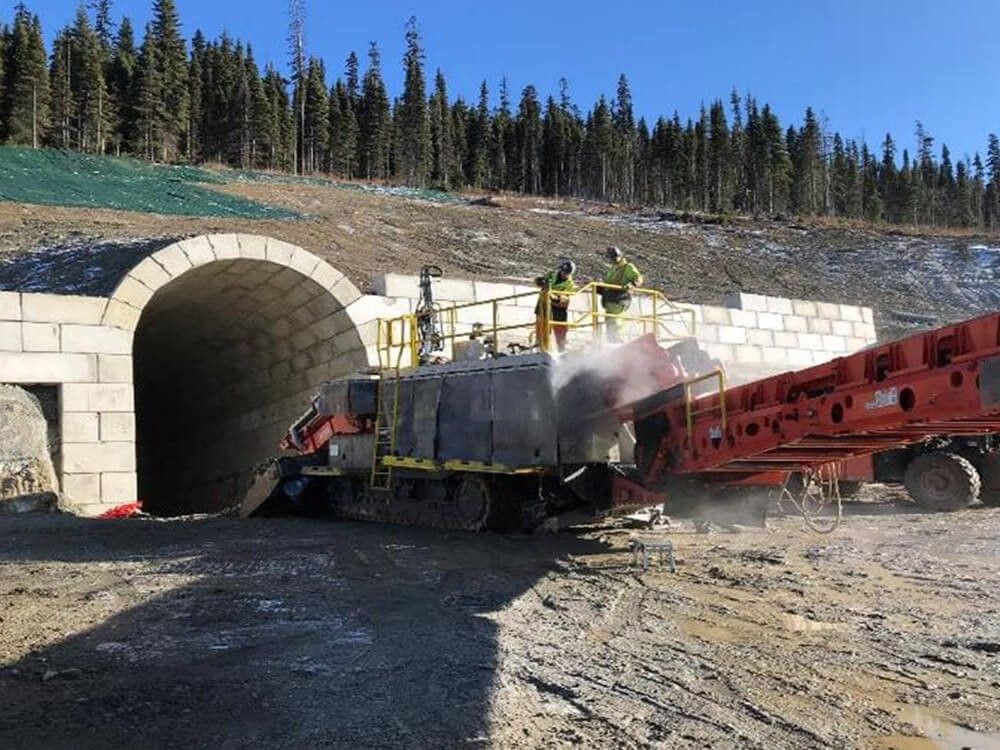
<point>60,339</point>
<point>756,335</point>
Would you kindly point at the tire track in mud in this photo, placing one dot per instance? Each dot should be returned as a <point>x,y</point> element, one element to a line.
<point>790,655</point>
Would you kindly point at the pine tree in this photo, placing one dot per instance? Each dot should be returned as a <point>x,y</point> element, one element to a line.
<point>352,80</point>
<point>343,131</point>
<point>146,95</point>
<point>478,154</point>
<point>25,92</point>
<point>944,189</point>
<point>809,171</point>
<point>597,148</point>
<point>92,115</point>
<point>962,213</point>
<point>738,155</point>
<point>978,188</point>
<point>573,141</point>
<point>528,132</point>
<point>414,131</point>
<point>443,156</point>
<point>554,137</point>
<point>503,145</point>
<point>991,197</point>
<point>719,156</point>
<point>194,134</point>
<point>62,105</point>
<point>240,134</point>
<point>889,180</point>
<point>278,138</point>
<point>460,116</point>
<point>643,142</point>
<point>260,113</point>
<point>374,121</point>
<point>170,104</point>
<point>121,71</point>
<point>926,177</point>
<point>104,27</point>
<point>624,149</point>
<point>297,55</point>
<point>703,161</point>
<point>779,165</point>
<point>317,122</point>
<point>872,203</point>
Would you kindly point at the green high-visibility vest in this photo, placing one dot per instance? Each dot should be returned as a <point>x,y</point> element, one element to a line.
<point>621,274</point>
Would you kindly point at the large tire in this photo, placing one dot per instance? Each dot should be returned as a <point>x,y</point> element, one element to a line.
<point>989,472</point>
<point>942,481</point>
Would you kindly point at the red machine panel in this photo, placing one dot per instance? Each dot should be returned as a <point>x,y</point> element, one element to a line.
<point>945,381</point>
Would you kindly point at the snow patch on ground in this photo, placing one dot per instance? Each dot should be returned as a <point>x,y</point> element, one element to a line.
<point>78,266</point>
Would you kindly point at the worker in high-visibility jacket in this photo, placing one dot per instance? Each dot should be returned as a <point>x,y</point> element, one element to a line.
<point>622,276</point>
<point>552,310</point>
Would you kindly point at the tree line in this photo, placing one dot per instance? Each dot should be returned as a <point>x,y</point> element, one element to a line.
<point>100,90</point>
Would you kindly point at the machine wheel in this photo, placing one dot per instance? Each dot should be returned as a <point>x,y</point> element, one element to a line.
<point>472,501</point>
<point>989,471</point>
<point>942,481</point>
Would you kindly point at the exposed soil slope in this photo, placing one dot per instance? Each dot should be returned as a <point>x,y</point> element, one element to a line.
<point>364,233</point>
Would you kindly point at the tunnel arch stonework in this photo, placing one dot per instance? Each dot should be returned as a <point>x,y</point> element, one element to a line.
<point>185,376</point>
<point>231,336</point>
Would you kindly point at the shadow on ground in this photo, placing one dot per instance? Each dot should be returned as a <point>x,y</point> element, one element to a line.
<point>281,633</point>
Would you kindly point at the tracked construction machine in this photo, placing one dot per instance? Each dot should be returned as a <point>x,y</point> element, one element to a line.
<point>451,432</point>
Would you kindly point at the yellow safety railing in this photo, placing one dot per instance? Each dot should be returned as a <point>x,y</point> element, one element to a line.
<point>398,338</point>
<point>690,400</point>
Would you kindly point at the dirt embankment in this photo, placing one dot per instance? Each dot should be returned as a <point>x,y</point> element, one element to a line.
<point>365,233</point>
<point>288,633</point>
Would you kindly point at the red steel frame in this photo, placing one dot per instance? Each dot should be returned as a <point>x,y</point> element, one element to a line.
<point>313,431</point>
<point>943,382</point>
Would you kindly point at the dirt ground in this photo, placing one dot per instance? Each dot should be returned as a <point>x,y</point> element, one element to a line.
<point>289,633</point>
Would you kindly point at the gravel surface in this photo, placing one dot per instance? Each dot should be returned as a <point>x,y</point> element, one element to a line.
<point>287,633</point>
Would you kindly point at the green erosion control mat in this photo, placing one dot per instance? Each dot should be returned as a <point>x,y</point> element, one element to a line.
<point>64,178</point>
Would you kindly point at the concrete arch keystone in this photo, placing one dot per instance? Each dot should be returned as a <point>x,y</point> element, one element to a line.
<point>151,274</point>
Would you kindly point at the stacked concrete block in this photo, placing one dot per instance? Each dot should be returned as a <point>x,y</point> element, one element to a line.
<point>62,340</point>
<point>781,334</point>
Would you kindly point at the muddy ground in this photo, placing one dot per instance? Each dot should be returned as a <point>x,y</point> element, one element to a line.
<point>288,633</point>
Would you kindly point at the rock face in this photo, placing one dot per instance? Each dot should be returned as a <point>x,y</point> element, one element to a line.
<point>27,477</point>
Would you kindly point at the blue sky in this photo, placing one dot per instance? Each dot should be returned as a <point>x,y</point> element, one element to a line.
<point>868,67</point>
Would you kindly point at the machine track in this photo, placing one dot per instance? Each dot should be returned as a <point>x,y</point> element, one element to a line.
<point>460,503</point>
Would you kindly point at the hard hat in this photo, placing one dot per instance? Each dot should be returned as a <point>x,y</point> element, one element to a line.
<point>613,253</point>
<point>567,267</point>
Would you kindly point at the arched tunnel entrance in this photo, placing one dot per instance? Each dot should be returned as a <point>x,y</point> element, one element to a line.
<point>226,355</point>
